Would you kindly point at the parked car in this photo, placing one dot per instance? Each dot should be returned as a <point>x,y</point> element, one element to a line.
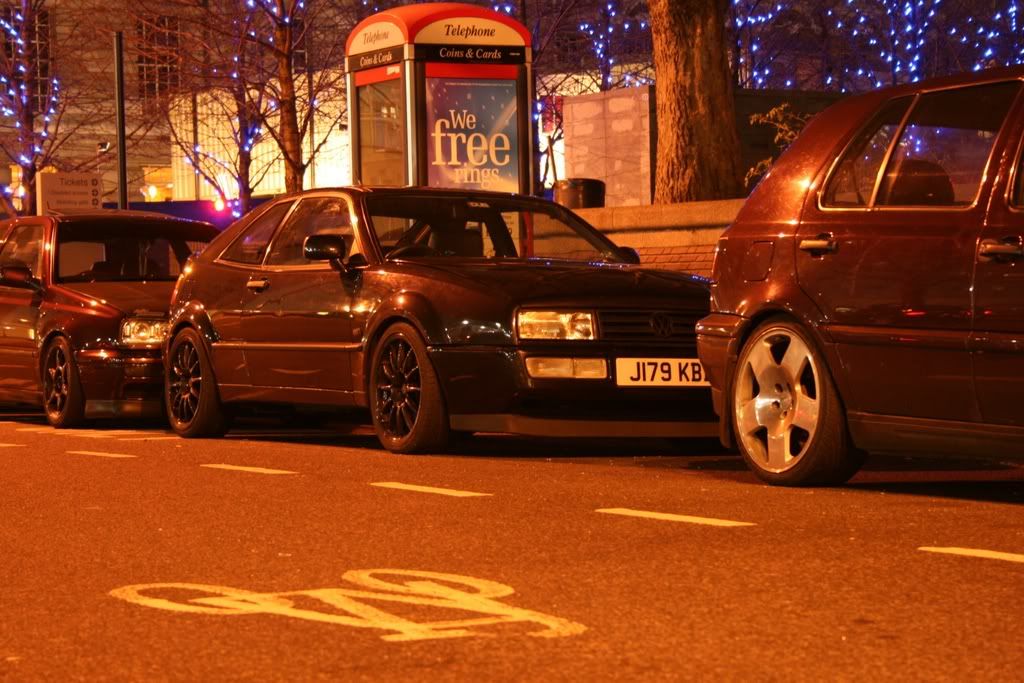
<point>83,310</point>
<point>870,294</point>
<point>441,312</point>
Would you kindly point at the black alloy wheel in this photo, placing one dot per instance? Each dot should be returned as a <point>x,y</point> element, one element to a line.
<point>398,389</point>
<point>63,399</point>
<point>190,390</point>
<point>408,408</point>
<point>185,382</point>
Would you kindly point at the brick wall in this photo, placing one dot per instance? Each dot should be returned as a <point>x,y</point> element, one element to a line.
<point>680,237</point>
<point>694,259</point>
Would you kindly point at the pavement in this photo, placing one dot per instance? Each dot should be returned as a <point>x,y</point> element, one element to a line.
<point>293,552</point>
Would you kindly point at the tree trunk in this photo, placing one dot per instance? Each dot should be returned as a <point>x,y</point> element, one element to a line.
<point>290,135</point>
<point>698,152</point>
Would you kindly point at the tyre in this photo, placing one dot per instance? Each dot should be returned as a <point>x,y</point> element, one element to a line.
<point>789,423</point>
<point>408,408</point>
<point>190,390</point>
<point>63,398</point>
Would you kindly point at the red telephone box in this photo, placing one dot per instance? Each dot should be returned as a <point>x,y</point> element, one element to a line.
<point>439,94</point>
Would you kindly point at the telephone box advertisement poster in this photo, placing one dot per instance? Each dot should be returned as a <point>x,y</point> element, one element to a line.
<point>473,139</point>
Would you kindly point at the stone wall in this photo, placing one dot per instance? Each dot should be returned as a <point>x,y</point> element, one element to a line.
<point>668,236</point>
<point>609,136</point>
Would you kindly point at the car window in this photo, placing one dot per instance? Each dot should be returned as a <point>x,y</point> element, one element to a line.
<point>90,250</point>
<point>313,216</point>
<point>24,248</point>
<point>853,181</point>
<point>431,226</point>
<point>251,244</point>
<point>943,150</point>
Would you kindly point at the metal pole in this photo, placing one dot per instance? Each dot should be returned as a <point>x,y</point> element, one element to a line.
<point>197,187</point>
<point>122,146</point>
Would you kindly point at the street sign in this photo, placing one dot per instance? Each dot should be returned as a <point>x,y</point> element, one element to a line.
<point>68,193</point>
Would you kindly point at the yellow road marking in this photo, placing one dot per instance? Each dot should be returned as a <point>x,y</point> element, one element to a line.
<point>102,454</point>
<point>976,552</point>
<point>239,468</point>
<point>455,493</point>
<point>11,445</point>
<point>668,517</point>
<point>452,606</point>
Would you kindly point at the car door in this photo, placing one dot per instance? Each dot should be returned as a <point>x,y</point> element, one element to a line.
<point>19,313</point>
<point>225,290</point>
<point>888,257</point>
<point>298,324</point>
<point>997,344</point>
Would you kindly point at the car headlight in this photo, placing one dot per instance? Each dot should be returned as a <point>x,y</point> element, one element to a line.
<point>140,331</point>
<point>555,325</point>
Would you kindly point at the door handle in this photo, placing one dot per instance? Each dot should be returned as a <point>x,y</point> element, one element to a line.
<point>257,284</point>
<point>1007,248</point>
<point>822,244</point>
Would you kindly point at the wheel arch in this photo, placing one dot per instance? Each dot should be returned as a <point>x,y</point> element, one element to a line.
<point>194,315</point>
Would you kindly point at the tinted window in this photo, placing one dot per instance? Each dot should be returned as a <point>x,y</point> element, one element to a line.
<point>250,246</point>
<point>317,215</point>
<point>853,181</point>
<point>410,226</point>
<point>24,248</point>
<point>942,152</point>
<point>118,251</point>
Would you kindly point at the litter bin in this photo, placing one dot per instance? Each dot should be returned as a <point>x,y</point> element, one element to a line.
<point>580,193</point>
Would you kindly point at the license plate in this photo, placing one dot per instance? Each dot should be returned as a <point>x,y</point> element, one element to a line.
<point>659,372</point>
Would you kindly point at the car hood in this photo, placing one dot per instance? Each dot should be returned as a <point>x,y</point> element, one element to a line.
<point>152,297</point>
<point>554,283</point>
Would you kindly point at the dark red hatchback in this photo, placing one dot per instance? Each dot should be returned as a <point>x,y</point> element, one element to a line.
<point>870,295</point>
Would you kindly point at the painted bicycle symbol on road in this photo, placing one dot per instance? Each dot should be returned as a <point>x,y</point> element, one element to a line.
<point>351,606</point>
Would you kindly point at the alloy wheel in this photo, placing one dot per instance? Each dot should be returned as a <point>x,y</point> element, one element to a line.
<point>776,401</point>
<point>57,378</point>
<point>185,382</point>
<point>398,388</point>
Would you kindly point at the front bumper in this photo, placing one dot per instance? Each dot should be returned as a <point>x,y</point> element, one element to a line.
<point>719,337</point>
<point>121,382</point>
<point>487,389</point>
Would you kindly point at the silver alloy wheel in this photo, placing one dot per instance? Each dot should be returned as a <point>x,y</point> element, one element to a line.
<point>776,399</point>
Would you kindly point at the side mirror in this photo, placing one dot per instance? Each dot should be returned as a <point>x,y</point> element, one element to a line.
<point>630,255</point>
<point>17,276</point>
<point>326,248</point>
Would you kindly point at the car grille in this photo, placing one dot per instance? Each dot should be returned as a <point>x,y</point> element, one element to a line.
<point>650,326</point>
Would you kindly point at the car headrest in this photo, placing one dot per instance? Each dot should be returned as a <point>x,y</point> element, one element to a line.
<point>921,183</point>
<point>457,241</point>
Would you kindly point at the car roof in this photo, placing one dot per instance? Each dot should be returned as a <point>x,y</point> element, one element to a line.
<point>391,190</point>
<point>113,215</point>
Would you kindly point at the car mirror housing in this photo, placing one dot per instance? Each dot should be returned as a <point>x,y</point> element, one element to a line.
<point>17,276</point>
<point>325,248</point>
<point>630,255</point>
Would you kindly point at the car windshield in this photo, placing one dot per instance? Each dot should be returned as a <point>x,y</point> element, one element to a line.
<point>432,226</point>
<point>121,250</point>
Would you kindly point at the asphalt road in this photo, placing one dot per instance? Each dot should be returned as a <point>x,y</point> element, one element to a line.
<point>128,554</point>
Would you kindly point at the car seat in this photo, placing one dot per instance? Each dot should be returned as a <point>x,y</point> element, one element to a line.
<point>452,239</point>
<point>921,183</point>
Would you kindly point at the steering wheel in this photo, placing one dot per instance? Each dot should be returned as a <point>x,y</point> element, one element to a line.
<point>412,251</point>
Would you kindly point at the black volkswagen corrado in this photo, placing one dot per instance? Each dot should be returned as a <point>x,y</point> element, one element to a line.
<point>83,310</point>
<point>441,312</point>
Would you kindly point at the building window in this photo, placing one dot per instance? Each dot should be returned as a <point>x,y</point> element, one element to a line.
<point>158,56</point>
